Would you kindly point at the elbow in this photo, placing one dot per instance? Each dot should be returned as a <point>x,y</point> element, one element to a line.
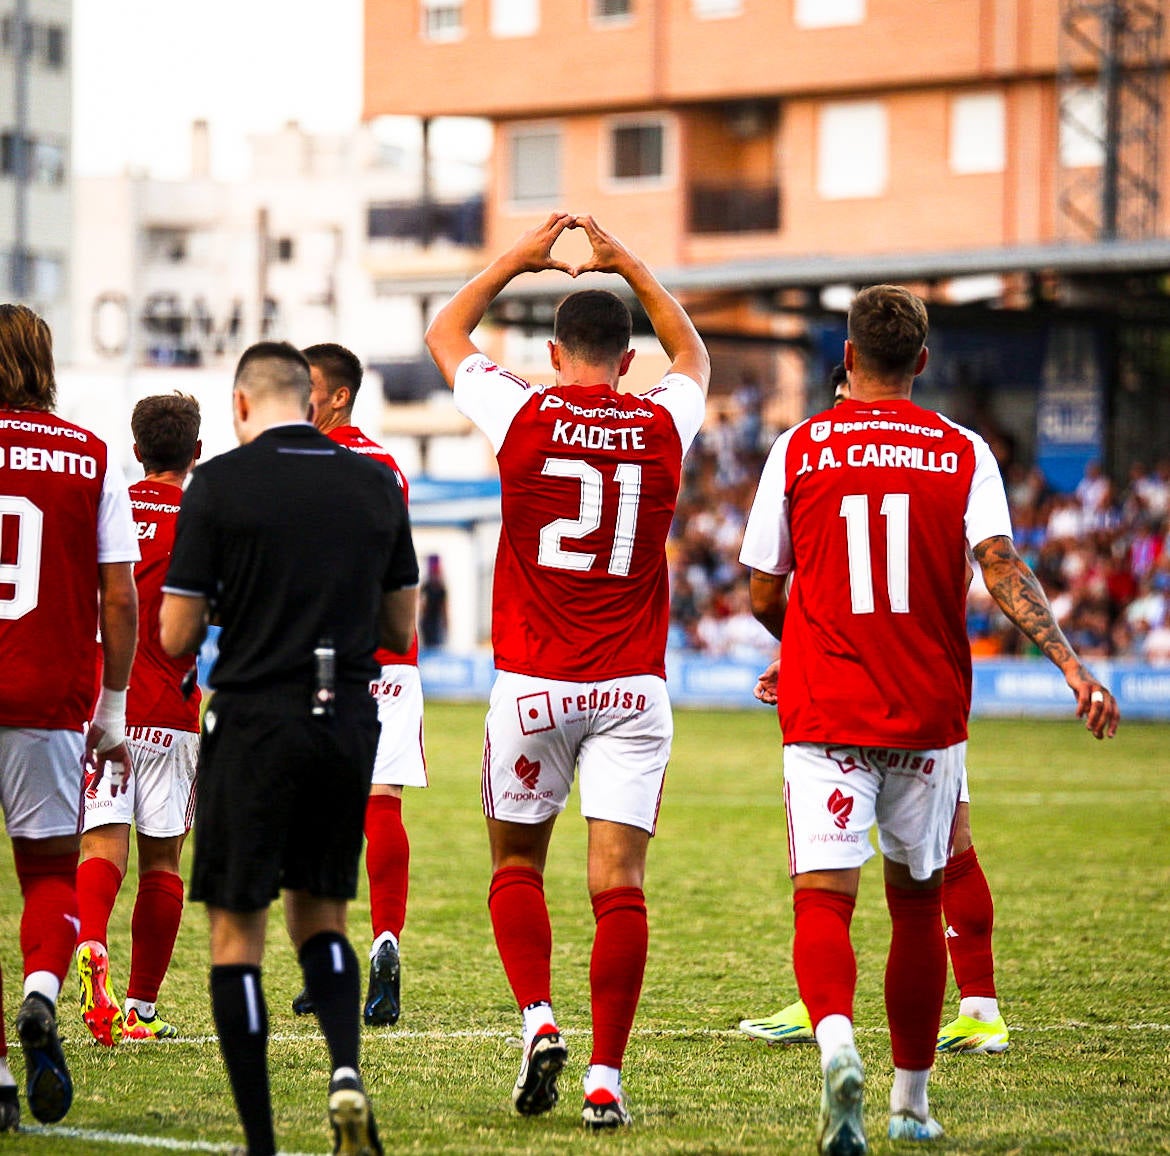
<point>398,639</point>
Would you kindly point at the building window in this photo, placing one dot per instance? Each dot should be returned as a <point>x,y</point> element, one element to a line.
<point>442,19</point>
<point>637,151</point>
<point>977,133</point>
<point>284,250</point>
<point>42,42</point>
<point>611,11</point>
<point>515,17</point>
<point>713,9</point>
<point>535,165</point>
<point>44,159</point>
<point>828,13</point>
<point>1082,126</point>
<point>852,152</point>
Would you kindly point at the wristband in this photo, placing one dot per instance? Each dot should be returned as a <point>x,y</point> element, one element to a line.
<point>110,715</point>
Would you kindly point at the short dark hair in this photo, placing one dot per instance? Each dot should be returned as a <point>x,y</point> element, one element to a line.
<point>888,327</point>
<point>338,365</point>
<point>593,325</point>
<point>27,380</point>
<point>166,428</point>
<point>286,371</point>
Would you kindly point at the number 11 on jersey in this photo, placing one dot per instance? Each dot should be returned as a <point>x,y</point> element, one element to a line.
<point>895,509</point>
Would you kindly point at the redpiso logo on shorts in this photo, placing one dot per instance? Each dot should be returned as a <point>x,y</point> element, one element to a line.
<point>527,772</point>
<point>840,807</point>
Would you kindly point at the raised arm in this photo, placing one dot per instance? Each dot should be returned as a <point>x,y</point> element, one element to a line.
<point>673,328</point>
<point>1018,592</point>
<point>448,336</point>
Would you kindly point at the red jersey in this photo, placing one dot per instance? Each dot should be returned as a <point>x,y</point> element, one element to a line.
<point>352,438</point>
<point>63,510</point>
<point>155,698</point>
<point>588,479</point>
<point>873,505</point>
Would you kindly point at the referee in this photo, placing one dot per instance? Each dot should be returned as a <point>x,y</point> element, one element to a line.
<point>302,550</point>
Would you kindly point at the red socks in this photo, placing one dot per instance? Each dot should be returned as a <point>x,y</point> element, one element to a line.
<point>387,864</point>
<point>98,881</point>
<point>916,975</point>
<point>822,954</point>
<point>616,970</point>
<point>970,914</point>
<point>48,923</point>
<point>523,933</point>
<point>154,928</point>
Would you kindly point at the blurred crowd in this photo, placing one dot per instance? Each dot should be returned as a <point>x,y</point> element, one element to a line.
<point>1102,554</point>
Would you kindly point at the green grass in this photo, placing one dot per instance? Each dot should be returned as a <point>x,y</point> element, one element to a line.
<point>1072,835</point>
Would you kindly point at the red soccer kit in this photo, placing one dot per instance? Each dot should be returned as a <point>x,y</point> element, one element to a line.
<point>155,698</point>
<point>352,438</point>
<point>873,505</point>
<point>589,478</point>
<point>63,510</point>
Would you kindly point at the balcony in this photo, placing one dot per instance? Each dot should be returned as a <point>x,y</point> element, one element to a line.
<point>457,222</point>
<point>733,208</point>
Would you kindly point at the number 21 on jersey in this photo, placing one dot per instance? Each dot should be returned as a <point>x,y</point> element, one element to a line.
<point>895,508</point>
<point>552,552</point>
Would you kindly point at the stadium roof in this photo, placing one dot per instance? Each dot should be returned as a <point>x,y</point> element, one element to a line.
<point>771,274</point>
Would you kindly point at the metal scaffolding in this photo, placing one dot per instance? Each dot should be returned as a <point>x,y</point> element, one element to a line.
<point>1111,68</point>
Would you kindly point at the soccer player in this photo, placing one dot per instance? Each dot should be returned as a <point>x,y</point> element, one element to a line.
<point>303,549</point>
<point>589,478</point>
<point>872,507</point>
<point>967,908</point>
<point>163,738</point>
<point>400,762</point>
<point>67,554</point>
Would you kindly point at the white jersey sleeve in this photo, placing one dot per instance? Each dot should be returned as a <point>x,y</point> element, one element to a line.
<point>683,398</point>
<point>987,513</point>
<point>117,536</point>
<point>767,540</point>
<point>490,396</point>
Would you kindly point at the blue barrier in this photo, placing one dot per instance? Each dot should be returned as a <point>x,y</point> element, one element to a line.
<point>1022,687</point>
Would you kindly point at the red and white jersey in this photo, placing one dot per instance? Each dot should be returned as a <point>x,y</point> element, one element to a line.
<point>873,505</point>
<point>63,510</point>
<point>352,438</point>
<point>155,699</point>
<point>589,479</point>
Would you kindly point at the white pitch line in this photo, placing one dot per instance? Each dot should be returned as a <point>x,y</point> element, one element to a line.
<point>95,1136</point>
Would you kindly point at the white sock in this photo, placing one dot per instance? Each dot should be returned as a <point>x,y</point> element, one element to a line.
<point>6,1080</point>
<point>145,1010</point>
<point>344,1074</point>
<point>598,1076</point>
<point>536,1016</point>
<point>909,1093</point>
<point>833,1033</point>
<point>43,983</point>
<point>983,1008</point>
<point>383,938</point>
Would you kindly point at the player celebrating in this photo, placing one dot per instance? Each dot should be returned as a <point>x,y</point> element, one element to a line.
<point>337,377</point>
<point>873,508</point>
<point>163,738</point>
<point>66,569</point>
<point>967,907</point>
<point>589,479</point>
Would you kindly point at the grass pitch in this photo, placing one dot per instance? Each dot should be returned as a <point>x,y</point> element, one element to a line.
<point>1072,836</point>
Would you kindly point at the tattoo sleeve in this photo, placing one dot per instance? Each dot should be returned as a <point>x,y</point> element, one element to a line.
<point>1017,590</point>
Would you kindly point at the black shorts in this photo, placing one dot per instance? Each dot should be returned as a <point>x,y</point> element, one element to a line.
<point>282,798</point>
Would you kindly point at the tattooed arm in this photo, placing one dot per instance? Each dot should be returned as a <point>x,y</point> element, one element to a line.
<point>1018,592</point>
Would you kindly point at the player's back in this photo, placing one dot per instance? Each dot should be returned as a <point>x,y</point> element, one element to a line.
<point>875,648</point>
<point>589,480</point>
<point>155,698</point>
<point>51,478</point>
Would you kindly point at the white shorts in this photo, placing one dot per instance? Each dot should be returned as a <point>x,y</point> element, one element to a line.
<point>160,800</point>
<point>834,795</point>
<point>400,761</point>
<point>964,791</point>
<point>617,732</point>
<point>40,782</point>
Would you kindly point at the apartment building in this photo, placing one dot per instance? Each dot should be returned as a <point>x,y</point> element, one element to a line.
<point>768,156</point>
<point>36,117</point>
